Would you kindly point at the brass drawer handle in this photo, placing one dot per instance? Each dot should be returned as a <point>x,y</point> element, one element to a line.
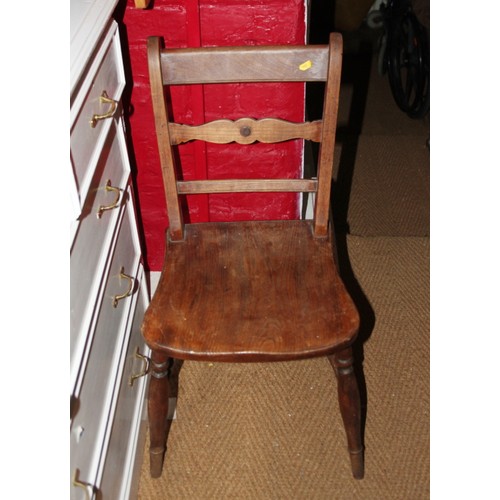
<point>144,371</point>
<point>117,298</point>
<point>108,187</point>
<point>104,99</point>
<point>79,484</point>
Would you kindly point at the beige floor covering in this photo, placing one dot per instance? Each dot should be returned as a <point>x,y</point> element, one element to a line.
<point>273,431</point>
<point>378,171</point>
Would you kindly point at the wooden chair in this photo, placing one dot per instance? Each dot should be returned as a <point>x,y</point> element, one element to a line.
<point>257,290</point>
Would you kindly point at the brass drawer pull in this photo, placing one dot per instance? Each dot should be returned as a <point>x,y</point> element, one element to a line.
<point>78,484</point>
<point>145,370</point>
<point>115,203</point>
<point>117,298</point>
<point>104,99</point>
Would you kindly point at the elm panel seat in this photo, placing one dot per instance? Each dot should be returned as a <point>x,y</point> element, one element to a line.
<point>258,290</point>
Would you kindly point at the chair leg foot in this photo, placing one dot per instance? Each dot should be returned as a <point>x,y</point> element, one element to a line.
<point>350,407</point>
<point>158,411</point>
<point>156,456</point>
<point>357,464</point>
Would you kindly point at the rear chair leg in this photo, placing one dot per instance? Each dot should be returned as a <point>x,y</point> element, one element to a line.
<point>350,407</point>
<point>158,411</point>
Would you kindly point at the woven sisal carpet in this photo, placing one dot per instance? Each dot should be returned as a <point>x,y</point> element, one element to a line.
<point>385,198</point>
<point>274,431</point>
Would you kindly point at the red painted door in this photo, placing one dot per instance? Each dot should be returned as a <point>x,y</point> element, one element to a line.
<point>191,23</point>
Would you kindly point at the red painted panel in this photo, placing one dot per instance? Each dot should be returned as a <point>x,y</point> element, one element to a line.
<point>214,23</point>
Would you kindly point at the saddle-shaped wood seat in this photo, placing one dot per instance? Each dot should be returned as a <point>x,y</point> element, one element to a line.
<point>250,291</point>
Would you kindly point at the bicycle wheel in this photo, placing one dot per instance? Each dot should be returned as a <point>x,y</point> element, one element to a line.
<point>408,65</point>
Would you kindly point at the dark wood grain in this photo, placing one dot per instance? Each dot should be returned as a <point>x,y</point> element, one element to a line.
<point>158,411</point>
<point>245,131</point>
<point>247,186</point>
<point>250,291</point>
<point>176,221</point>
<point>245,64</point>
<point>258,290</point>
<point>350,407</point>
<point>325,161</point>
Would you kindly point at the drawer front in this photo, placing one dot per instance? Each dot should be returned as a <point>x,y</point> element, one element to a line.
<point>93,400</point>
<point>118,469</point>
<point>88,20</point>
<point>86,140</point>
<point>95,235</point>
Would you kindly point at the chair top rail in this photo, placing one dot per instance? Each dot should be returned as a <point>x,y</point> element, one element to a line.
<point>244,64</point>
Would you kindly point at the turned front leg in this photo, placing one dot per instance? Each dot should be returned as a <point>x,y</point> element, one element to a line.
<point>350,407</point>
<point>158,411</point>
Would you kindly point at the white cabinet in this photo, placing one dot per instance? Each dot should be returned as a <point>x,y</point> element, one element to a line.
<point>108,292</point>
<point>122,468</point>
<point>100,94</point>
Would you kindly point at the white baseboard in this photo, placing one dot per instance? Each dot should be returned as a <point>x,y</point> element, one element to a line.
<point>154,278</point>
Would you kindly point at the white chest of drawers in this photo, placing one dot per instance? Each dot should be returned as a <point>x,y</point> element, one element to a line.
<point>108,289</point>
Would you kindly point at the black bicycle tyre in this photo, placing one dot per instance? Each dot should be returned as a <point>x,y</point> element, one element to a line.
<point>408,65</point>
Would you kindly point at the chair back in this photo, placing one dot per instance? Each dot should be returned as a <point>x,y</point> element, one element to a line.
<point>215,65</point>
